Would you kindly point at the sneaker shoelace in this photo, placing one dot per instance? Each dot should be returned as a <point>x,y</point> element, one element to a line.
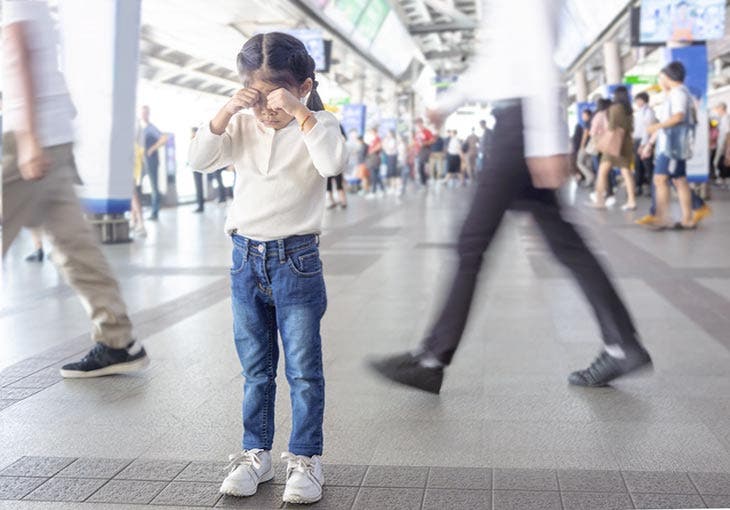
<point>244,458</point>
<point>298,463</point>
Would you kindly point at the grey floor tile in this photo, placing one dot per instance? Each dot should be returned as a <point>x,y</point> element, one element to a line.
<point>268,497</point>
<point>345,475</point>
<point>37,466</point>
<point>457,499</point>
<point>658,482</point>
<point>150,469</point>
<point>90,467</point>
<point>380,498</point>
<point>460,478</point>
<point>204,472</point>
<point>527,500</point>
<point>7,403</point>
<point>188,494</point>
<point>137,492</point>
<point>590,480</point>
<point>596,501</point>
<point>66,489</point>
<point>395,476</point>
<point>656,501</point>
<point>17,487</point>
<point>717,501</point>
<point>334,498</point>
<point>526,479</point>
<point>17,393</point>
<point>717,484</point>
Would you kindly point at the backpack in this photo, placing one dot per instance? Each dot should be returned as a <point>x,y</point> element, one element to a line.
<point>681,137</point>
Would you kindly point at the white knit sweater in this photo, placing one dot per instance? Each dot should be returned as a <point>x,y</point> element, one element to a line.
<point>280,175</point>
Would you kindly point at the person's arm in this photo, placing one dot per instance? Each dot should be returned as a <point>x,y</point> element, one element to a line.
<point>32,160</point>
<point>325,145</point>
<point>161,141</point>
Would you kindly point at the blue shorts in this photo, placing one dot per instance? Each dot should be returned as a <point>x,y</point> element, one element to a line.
<point>673,168</point>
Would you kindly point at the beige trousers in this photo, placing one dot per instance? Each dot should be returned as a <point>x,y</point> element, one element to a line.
<point>51,203</point>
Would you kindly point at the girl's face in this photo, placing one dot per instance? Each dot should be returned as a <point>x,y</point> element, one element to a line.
<point>275,119</point>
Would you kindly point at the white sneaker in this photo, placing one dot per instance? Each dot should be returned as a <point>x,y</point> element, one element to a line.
<point>248,469</point>
<point>304,479</point>
<point>610,201</point>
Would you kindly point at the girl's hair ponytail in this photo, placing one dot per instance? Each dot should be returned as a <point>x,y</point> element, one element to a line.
<point>284,60</point>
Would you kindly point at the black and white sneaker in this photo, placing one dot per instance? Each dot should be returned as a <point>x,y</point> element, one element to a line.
<point>606,368</point>
<point>102,360</point>
<point>407,369</point>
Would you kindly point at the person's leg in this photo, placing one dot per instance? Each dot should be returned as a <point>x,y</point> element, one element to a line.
<point>604,169</point>
<point>137,218</point>
<point>661,197</point>
<point>301,300</point>
<point>221,186</point>
<point>198,177</point>
<point>79,257</point>
<point>256,342</point>
<point>630,188</point>
<point>153,174</point>
<point>684,194</point>
<point>36,235</point>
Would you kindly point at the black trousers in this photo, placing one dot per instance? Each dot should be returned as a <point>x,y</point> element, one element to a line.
<point>199,198</point>
<point>506,184</point>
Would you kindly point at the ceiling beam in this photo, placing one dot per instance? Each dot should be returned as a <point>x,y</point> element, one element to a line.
<point>448,10</point>
<point>448,54</point>
<point>432,28</point>
<point>171,69</point>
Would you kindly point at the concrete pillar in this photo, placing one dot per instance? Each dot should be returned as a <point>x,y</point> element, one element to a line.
<point>581,86</point>
<point>612,63</point>
<point>100,64</point>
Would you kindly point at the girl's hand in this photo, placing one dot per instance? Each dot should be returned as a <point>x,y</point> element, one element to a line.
<point>282,99</point>
<point>244,98</point>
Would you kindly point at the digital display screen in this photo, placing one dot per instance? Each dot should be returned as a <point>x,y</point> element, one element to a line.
<point>681,20</point>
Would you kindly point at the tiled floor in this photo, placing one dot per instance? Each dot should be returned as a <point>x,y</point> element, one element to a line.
<point>506,432</point>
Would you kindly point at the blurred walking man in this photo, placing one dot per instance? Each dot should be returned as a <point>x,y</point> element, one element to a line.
<point>527,162</point>
<point>39,174</point>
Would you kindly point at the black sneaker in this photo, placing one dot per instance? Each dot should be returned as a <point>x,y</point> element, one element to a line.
<point>102,360</point>
<point>36,256</point>
<point>406,369</point>
<point>606,368</point>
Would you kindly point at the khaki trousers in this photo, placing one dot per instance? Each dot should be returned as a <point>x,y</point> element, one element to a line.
<point>51,204</point>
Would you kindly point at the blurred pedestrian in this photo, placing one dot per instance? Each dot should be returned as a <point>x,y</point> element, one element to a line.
<point>390,151</point>
<point>425,140</point>
<point>198,179</point>
<point>527,164</point>
<point>373,162</point>
<point>643,118</point>
<point>36,234</point>
<point>39,174</point>
<point>152,140</point>
<point>721,161</point>
<point>584,160</point>
<point>471,154</point>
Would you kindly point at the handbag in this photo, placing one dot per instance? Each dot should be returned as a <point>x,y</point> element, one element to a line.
<point>591,149</point>
<point>610,142</point>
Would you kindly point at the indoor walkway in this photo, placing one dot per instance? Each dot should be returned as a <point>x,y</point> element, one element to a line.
<point>507,432</point>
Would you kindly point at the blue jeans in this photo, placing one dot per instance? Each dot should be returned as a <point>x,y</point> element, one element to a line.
<point>153,168</point>
<point>663,166</point>
<point>278,287</point>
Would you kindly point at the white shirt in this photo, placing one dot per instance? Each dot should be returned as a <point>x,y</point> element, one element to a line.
<point>677,101</point>
<point>54,109</point>
<point>280,175</point>
<point>517,61</point>
<point>454,148</point>
<point>643,118</point>
<point>390,146</point>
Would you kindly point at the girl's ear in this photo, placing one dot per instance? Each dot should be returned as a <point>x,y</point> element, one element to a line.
<point>306,87</point>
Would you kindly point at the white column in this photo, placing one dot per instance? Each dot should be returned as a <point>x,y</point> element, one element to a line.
<point>612,63</point>
<point>581,86</point>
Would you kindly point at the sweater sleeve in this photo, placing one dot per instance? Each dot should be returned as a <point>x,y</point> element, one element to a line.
<point>208,152</point>
<point>326,145</point>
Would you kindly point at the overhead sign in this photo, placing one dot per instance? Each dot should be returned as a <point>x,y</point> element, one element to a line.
<point>640,79</point>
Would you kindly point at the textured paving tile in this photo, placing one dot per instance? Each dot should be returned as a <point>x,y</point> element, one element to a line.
<point>526,500</point>
<point>658,482</point>
<point>138,492</point>
<point>188,494</point>
<point>712,483</point>
<point>146,469</point>
<point>380,498</point>
<point>717,501</point>
<point>596,501</point>
<point>66,489</point>
<point>7,403</point>
<point>591,481</point>
<point>17,487</point>
<point>204,472</point>
<point>457,499</point>
<point>268,497</point>
<point>655,501</point>
<point>526,479</point>
<point>94,468</point>
<point>37,466</point>
<point>460,478</point>
<point>395,476</point>
<point>17,393</point>
<point>346,475</point>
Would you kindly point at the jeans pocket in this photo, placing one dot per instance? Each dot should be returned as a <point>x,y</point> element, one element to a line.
<point>305,264</point>
<point>238,261</point>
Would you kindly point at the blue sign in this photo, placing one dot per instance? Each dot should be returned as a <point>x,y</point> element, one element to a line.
<point>353,118</point>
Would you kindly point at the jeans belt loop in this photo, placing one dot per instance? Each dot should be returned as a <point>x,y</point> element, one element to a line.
<point>316,238</point>
<point>282,252</point>
<point>245,249</point>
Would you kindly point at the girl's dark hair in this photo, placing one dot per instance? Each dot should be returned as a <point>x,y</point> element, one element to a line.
<point>283,59</point>
<point>621,96</point>
<point>603,104</point>
<point>588,112</point>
